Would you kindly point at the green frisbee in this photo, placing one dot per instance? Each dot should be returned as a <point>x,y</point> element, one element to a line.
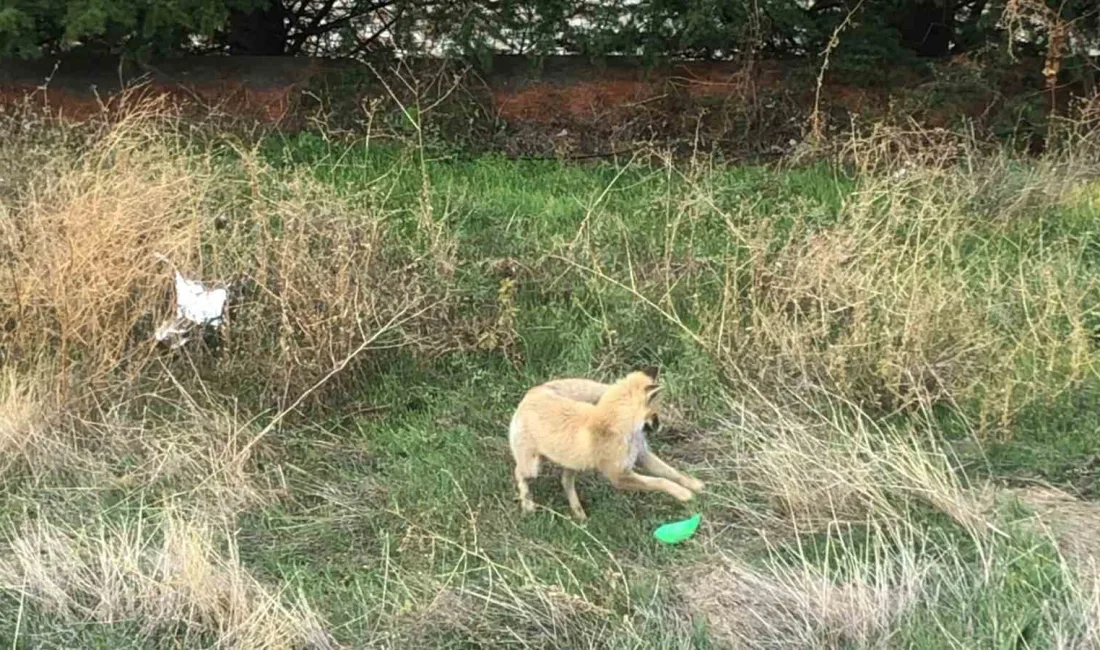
<point>677,531</point>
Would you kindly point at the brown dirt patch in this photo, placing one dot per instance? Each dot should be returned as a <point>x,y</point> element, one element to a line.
<point>1074,523</point>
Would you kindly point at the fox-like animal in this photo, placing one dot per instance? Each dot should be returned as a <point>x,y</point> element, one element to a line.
<point>581,425</point>
<point>586,390</point>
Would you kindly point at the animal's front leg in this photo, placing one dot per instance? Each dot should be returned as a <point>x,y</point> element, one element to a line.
<point>628,480</point>
<point>569,482</point>
<point>654,465</point>
<point>522,474</point>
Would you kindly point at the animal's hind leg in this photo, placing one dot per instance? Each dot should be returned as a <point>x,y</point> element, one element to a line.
<point>569,482</point>
<point>527,467</point>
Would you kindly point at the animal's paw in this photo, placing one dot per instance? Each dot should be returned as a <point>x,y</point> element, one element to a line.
<point>693,484</point>
<point>579,515</point>
<point>682,493</point>
<point>527,505</point>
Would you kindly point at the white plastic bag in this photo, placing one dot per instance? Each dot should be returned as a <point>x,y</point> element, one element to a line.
<point>195,305</point>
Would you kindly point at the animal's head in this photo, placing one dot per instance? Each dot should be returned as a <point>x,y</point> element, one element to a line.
<point>652,421</point>
<point>640,391</point>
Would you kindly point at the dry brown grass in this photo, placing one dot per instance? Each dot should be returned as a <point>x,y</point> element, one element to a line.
<point>1074,523</point>
<point>1084,578</point>
<point>181,453</point>
<point>1073,526</point>
<point>484,597</point>
<point>95,221</point>
<point>199,456</point>
<point>91,239</point>
<point>318,274</point>
<point>807,470</point>
<point>170,571</point>
<point>24,422</point>
<point>806,475</point>
<point>800,604</point>
<point>817,468</point>
<point>812,472</point>
<point>883,309</point>
<point>534,615</point>
<point>83,244</point>
<point>929,286</point>
<point>164,573</point>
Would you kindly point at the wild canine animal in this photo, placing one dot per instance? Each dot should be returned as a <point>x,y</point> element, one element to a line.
<point>581,425</point>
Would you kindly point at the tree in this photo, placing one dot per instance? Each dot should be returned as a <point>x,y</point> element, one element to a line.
<point>35,27</point>
<point>31,28</point>
<point>880,33</point>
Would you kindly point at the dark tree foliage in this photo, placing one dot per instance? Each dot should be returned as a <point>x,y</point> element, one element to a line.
<point>877,31</point>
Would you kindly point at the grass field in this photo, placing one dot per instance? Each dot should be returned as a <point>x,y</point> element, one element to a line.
<point>884,368</point>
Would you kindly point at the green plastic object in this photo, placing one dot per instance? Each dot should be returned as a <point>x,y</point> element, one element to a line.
<point>677,531</point>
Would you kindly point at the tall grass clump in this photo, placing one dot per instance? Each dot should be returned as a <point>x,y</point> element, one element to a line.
<point>870,536</point>
<point>961,281</point>
<point>92,237</point>
<point>83,243</point>
<point>163,575</point>
<point>820,466</point>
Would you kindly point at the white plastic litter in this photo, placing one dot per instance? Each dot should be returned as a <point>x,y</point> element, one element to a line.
<point>198,304</point>
<point>172,332</point>
<point>195,305</point>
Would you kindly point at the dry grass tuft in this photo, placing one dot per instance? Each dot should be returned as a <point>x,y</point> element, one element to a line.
<point>801,605</point>
<point>165,573</point>
<point>24,421</point>
<point>1084,578</point>
<point>856,557</point>
<point>318,272</point>
<point>929,284</point>
<point>816,468</point>
<point>1075,523</point>
<point>83,246</point>
<point>90,241</point>
<point>887,309</point>
<point>198,455</point>
<point>494,599</point>
<point>544,615</point>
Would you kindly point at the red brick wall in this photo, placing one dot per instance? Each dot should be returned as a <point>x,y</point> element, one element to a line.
<point>596,104</point>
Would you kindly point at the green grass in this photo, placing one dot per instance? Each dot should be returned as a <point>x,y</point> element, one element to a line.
<point>433,458</point>
<point>399,524</point>
<point>528,209</point>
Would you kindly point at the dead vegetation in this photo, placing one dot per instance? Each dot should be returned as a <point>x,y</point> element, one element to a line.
<point>90,235</point>
<point>842,509</point>
<point>91,239</point>
<point>899,298</point>
<point>24,423</point>
<point>833,467</point>
<point>801,606</point>
<point>162,571</point>
<point>1074,523</point>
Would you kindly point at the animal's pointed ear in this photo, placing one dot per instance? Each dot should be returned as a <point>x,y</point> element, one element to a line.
<point>651,372</point>
<point>652,392</point>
